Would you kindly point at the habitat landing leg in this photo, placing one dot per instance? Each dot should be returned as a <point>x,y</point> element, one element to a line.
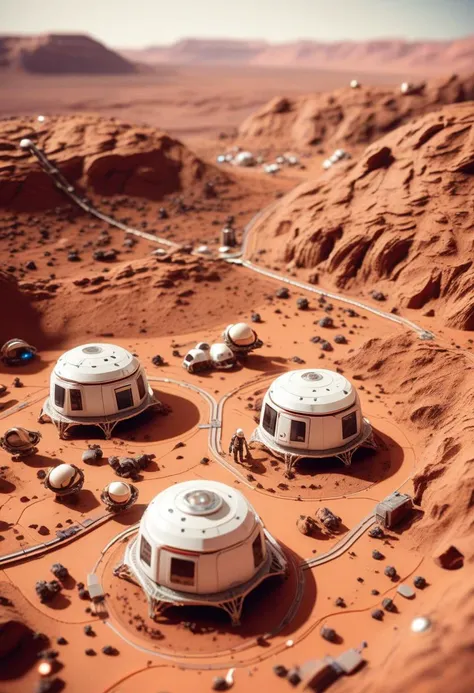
<point>234,609</point>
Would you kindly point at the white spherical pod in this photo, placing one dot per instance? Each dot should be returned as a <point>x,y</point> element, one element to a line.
<point>119,492</point>
<point>61,476</point>
<point>311,410</point>
<point>201,537</point>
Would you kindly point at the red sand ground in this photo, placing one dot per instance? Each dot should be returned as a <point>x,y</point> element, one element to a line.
<point>418,395</point>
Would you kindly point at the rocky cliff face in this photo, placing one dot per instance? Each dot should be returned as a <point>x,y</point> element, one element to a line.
<point>103,155</point>
<point>397,220</point>
<point>348,118</point>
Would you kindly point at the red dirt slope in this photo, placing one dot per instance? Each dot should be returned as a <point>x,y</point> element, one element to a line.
<point>418,372</point>
<point>104,155</point>
<point>347,117</point>
<point>399,220</point>
<point>61,54</point>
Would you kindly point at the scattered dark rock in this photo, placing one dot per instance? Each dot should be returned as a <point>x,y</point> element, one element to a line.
<point>328,634</point>
<point>109,650</point>
<point>61,641</point>
<point>451,559</point>
<point>374,592</point>
<point>390,571</point>
<point>326,322</point>
<point>388,604</point>
<point>158,360</point>
<point>219,684</point>
<point>204,460</point>
<point>280,670</point>
<point>302,303</point>
<point>294,677</point>
<point>282,292</point>
<point>326,346</point>
<point>376,532</point>
<point>17,382</point>
<point>419,581</point>
<point>59,571</point>
<point>44,531</point>
<point>340,339</point>
<point>88,630</point>
<point>93,454</point>
<point>297,359</point>
<point>340,602</point>
<point>378,296</point>
<point>162,213</point>
<point>377,555</point>
<point>83,593</point>
<point>315,339</point>
<point>31,265</point>
<point>41,474</point>
<point>73,256</point>
<point>90,652</point>
<point>255,317</point>
<point>47,590</point>
<point>377,614</point>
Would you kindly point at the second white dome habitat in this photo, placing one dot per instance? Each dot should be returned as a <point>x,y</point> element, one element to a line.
<point>312,413</point>
<point>201,543</point>
<point>96,384</point>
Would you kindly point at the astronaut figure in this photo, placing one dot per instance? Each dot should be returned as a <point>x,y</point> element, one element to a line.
<point>237,445</point>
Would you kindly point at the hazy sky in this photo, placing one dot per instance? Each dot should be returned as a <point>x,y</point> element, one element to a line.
<point>137,23</point>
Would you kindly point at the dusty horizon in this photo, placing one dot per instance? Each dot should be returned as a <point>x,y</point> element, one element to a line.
<point>140,24</point>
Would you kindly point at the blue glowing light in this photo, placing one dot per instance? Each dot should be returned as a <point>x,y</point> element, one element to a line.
<point>27,356</point>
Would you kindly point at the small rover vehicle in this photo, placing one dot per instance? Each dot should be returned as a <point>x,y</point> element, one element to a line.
<point>16,352</point>
<point>198,359</point>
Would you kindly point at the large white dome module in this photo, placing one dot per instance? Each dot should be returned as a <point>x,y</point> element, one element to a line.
<point>201,543</point>
<point>312,413</point>
<point>96,384</point>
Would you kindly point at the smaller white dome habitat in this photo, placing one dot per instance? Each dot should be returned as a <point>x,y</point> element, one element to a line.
<point>119,492</point>
<point>244,159</point>
<point>61,476</point>
<point>310,410</point>
<point>97,384</point>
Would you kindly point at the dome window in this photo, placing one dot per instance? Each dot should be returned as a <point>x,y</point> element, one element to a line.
<point>269,419</point>
<point>124,398</point>
<point>349,425</point>
<point>257,550</point>
<point>298,431</point>
<point>59,396</point>
<point>182,571</point>
<point>145,551</point>
<point>141,387</point>
<point>76,400</point>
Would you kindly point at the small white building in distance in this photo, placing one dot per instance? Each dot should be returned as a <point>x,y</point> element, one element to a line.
<point>96,384</point>
<point>201,543</point>
<point>312,413</point>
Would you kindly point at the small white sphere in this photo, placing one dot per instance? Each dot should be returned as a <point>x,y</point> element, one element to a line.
<point>119,491</point>
<point>61,476</point>
<point>41,118</point>
<point>25,143</point>
<point>420,624</point>
<point>241,334</point>
<point>354,84</point>
<point>404,87</point>
<point>327,163</point>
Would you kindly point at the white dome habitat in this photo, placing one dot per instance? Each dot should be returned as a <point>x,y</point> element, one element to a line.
<point>201,543</point>
<point>312,413</point>
<point>96,384</point>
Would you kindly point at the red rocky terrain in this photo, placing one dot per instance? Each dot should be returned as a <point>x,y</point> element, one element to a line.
<point>348,118</point>
<point>105,156</point>
<point>397,221</point>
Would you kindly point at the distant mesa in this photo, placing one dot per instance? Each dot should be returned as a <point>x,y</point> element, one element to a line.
<point>61,54</point>
<point>394,56</point>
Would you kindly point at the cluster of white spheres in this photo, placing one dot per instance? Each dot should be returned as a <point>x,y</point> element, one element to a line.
<point>61,476</point>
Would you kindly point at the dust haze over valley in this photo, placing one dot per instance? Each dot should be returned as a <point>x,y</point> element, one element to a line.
<point>350,199</point>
